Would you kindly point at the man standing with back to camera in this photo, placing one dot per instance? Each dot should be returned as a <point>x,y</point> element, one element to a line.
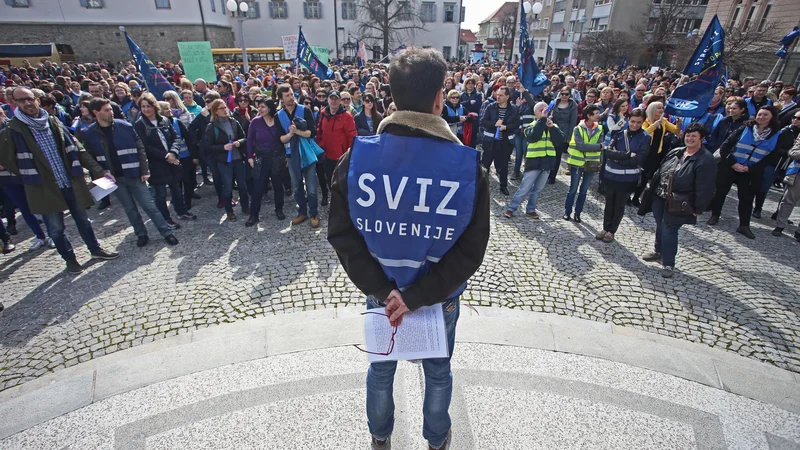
<point>409,221</point>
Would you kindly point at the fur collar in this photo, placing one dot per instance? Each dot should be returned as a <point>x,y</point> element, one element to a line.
<point>427,123</point>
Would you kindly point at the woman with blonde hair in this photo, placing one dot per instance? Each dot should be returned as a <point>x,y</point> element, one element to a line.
<point>178,109</point>
<point>228,144</point>
<point>657,126</point>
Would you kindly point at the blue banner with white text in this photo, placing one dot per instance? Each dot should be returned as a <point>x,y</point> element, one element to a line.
<point>153,79</point>
<point>307,58</point>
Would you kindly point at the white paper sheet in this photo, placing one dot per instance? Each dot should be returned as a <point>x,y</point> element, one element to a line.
<point>422,335</point>
<point>102,188</point>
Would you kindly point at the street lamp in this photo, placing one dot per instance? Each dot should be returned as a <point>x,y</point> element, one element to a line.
<point>239,13</point>
<point>582,20</point>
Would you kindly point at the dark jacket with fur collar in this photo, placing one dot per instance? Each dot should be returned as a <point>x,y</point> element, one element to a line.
<point>444,276</point>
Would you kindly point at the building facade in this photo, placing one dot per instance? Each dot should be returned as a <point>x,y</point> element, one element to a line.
<point>783,14</point>
<point>91,27</point>
<point>335,24</point>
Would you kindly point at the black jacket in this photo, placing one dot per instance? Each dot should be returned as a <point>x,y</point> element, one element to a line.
<point>697,176</point>
<point>363,126</point>
<point>216,140</point>
<point>243,122</point>
<point>456,267</point>
<point>161,172</point>
<point>721,132</point>
<point>198,130</point>
<point>534,134</point>
<point>729,147</point>
<point>489,118</point>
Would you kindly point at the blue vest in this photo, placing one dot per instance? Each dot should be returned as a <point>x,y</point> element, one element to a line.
<point>124,143</point>
<point>184,151</point>
<point>616,171</point>
<point>751,108</point>
<point>286,122</point>
<point>27,168</point>
<point>707,119</point>
<point>793,168</point>
<point>458,127</point>
<point>411,198</point>
<point>747,153</point>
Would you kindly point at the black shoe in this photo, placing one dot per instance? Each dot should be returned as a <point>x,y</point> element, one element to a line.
<point>636,203</point>
<point>172,225</point>
<point>280,215</point>
<point>757,213</point>
<point>251,221</point>
<point>187,216</point>
<point>2,307</point>
<point>8,246</point>
<point>74,267</point>
<point>577,218</point>
<point>288,193</point>
<point>777,232</point>
<point>141,241</point>
<point>516,176</point>
<point>745,231</point>
<point>567,217</point>
<point>713,220</point>
<point>504,190</point>
<point>196,196</point>
<point>324,200</point>
<point>104,254</point>
<point>171,240</point>
<point>104,203</point>
<point>12,229</point>
<point>207,181</point>
<point>775,215</point>
<point>797,235</point>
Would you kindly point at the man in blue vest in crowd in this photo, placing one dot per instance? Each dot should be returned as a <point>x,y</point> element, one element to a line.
<point>38,148</point>
<point>409,221</point>
<point>759,99</point>
<point>117,148</point>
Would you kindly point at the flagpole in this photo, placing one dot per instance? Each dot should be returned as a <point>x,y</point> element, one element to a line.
<point>297,53</point>
<point>773,69</point>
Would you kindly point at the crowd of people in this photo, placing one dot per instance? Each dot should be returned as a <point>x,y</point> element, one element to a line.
<point>276,130</point>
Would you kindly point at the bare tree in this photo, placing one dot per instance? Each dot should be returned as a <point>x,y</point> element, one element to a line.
<point>607,47</point>
<point>748,47</point>
<point>505,31</point>
<point>657,32</point>
<point>388,20</point>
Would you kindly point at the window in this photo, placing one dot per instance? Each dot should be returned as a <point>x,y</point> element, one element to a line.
<point>404,12</point>
<point>736,12</point>
<point>348,10</point>
<point>446,52</point>
<point>764,16</point>
<point>277,10</point>
<point>749,17</point>
<point>542,44</point>
<point>377,52</point>
<point>545,23</point>
<point>224,9</point>
<point>548,3</point>
<point>561,5</point>
<point>163,4</point>
<point>602,2</point>
<point>651,25</point>
<point>213,6</point>
<point>254,12</point>
<point>312,9</point>
<point>428,12</point>
<point>18,3</point>
<point>595,25</point>
<point>449,12</point>
<point>92,4</point>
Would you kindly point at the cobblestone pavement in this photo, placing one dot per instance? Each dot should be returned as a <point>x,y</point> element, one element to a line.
<point>729,293</point>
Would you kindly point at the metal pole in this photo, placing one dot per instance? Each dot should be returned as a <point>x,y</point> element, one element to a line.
<point>202,19</point>
<point>773,69</point>
<point>335,31</point>
<point>244,48</point>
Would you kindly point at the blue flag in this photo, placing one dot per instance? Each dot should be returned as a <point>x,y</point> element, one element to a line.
<point>153,79</point>
<point>692,99</point>
<point>529,74</point>
<point>712,39</point>
<point>622,65</point>
<point>724,81</point>
<point>397,51</point>
<point>786,42</point>
<point>307,58</point>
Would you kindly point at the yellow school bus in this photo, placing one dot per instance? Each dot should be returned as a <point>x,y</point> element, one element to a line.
<point>263,56</point>
<point>36,53</point>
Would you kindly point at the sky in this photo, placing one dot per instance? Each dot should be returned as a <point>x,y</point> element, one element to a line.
<point>477,10</point>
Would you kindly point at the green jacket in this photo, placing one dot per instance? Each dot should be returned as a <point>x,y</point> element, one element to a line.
<point>46,198</point>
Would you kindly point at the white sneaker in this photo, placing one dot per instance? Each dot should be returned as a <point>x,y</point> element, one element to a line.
<point>50,243</point>
<point>38,243</point>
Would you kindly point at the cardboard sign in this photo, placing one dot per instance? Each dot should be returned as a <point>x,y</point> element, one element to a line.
<point>290,46</point>
<point>198,62</point>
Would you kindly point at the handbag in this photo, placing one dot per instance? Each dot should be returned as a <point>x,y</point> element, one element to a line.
<point>679,204</point>
<point>591,166</point>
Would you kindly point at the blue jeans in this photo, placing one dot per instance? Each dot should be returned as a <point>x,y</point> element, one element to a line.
<point>131,191</point>
<point>666,234</point>
<point>576,173</point>
<point>532,184</point>
<point>309,174</point>
<point>55,226</point>
<point>438,387</point>
<point>15,196</point>
<point>519,151</point>
<point>227,172</point>
<point>176,197</point>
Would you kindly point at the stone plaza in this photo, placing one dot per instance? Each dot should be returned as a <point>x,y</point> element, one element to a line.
<point>731,296</point>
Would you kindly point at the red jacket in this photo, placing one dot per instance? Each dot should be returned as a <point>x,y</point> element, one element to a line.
<point>335,132</point>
